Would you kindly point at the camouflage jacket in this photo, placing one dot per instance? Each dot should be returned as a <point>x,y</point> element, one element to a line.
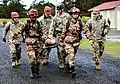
<point>31,29</point>
<point>45,23</point>
<point>58,22</point>
<point>73,31</point>
<point>98,28</point>
<point>11,28</point>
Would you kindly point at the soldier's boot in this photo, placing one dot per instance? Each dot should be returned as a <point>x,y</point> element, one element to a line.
<point>67,68</point>
<point>61,65</point>
<point>73,72</point>
<point>18,62</point>
<point>33,74</point>
<point>98,67</point>
<point>37,72</point>
<point>97,63</point>
<point>13,64</point>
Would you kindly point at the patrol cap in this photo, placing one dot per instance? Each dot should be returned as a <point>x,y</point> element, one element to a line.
<point>96,11</point>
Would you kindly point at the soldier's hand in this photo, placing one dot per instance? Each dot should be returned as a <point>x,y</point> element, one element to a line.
<point>4,40</point>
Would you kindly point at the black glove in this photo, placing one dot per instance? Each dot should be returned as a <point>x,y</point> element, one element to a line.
<point>4,40</point>
<point>23,40</point>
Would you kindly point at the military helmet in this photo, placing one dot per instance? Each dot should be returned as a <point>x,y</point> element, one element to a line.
<point>14,14</point>
<point>47,10</point>
<point>74,10</point>
<point>33,13</point>
<point>60,6</point>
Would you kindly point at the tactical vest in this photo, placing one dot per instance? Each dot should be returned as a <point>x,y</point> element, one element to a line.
<point>80,25</point>
<point>38,29</point>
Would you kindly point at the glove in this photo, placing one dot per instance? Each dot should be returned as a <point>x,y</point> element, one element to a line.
<point>23,40</point>
<point>4,40</point>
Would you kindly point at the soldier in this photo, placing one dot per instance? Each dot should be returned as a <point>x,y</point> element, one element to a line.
<point>55,30</point>
<point>15,49</point>
<point>45,21</point>
<point>34,41</point>
<point>71,36</point>
<point>98,28</point>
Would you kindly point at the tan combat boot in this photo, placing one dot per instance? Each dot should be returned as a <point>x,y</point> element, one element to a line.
<point>13,64</point>
<point>18,62</point>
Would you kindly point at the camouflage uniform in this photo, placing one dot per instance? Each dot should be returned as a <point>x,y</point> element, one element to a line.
<point>58,23</point>
<point>74,33</point>
<point>15,49</point>
<point>34,43</point>
<point>45,23</point>
<point>98,29</point>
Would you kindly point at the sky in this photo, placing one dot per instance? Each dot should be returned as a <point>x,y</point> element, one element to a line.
<point>28,2</point>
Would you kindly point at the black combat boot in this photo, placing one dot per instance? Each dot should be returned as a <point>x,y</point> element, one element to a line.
<point>33,76</point>
<point>72,68</point>
<point>67,68</point>
<point>37,72</point>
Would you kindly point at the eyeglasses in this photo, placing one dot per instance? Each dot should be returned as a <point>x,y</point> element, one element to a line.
<point>95,13</point>
<point>75,13</point>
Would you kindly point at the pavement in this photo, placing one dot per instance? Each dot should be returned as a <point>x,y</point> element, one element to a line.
<point>51,74</point>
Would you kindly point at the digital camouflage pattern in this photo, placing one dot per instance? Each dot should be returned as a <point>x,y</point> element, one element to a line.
<point>45,23</point>
<point>34,43</point>
<point>58,23</point>
<point>98,29</point>
<point>71,37</point>
<point>15,49</point>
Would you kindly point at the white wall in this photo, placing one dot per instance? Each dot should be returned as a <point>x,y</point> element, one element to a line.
<point>111,14</point>
<point>118,17</point>
<point>114,17</point>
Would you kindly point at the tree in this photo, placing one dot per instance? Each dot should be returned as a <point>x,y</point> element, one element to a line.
<point>9,6</point>
<point>40,7</point>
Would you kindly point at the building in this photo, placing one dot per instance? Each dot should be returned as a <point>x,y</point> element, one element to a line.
<point>110,10</point>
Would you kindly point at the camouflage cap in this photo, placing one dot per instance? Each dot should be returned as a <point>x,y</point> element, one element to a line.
<point>96,11</point>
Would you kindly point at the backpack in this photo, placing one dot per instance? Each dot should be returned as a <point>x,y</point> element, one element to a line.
<point>80,24</point>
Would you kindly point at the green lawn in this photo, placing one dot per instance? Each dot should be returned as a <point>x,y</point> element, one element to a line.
<point>2,19</point>
<point>110,47</point>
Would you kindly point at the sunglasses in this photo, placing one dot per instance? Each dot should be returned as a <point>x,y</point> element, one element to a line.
<point>95,13</point>
<point>75,13</point>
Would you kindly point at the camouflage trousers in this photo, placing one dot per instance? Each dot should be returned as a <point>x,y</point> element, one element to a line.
<point>61,55</point>
<point>15,51</point>
<point>34,51</point>
<point>70,54</point>
<point>98,48</point>
<point>46,53</point>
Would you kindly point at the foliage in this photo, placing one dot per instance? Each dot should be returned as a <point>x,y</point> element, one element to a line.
<point>84,5</point>
<point>9,6</point>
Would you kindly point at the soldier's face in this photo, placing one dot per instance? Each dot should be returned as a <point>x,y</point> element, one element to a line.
<point>96,15</point>
<point>59,12</point>
<point>75,15</point>
<point>16,19</point>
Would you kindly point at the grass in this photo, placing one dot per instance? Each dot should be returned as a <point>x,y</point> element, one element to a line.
<point>2,19</point>
<point>112,48</point>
